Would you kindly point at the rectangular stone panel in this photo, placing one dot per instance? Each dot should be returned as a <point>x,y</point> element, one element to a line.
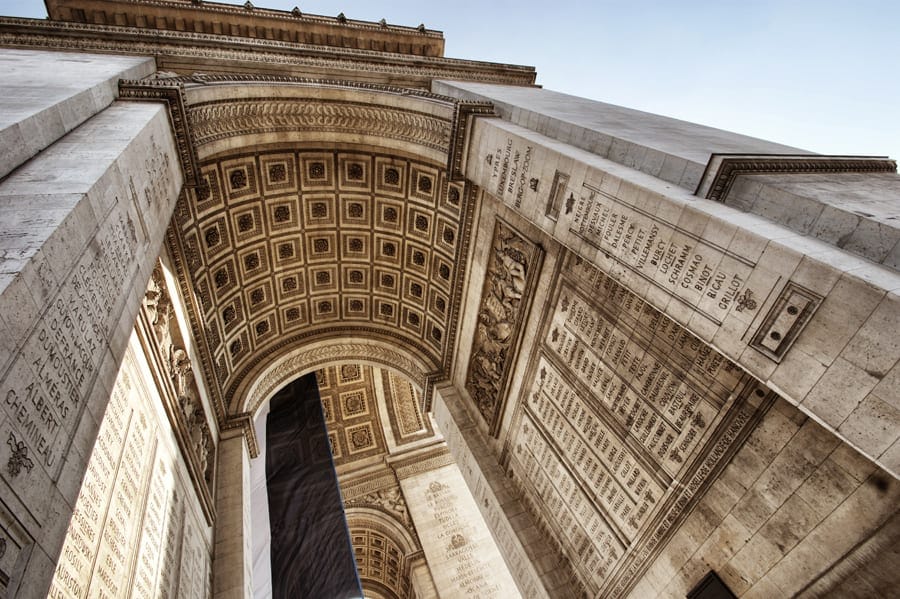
<point>626,415</point>
<point>137,526</point>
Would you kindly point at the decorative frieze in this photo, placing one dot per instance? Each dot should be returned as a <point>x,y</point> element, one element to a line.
<point>178,385</point>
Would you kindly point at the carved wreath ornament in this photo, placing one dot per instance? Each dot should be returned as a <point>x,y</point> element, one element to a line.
<point>18,459</point>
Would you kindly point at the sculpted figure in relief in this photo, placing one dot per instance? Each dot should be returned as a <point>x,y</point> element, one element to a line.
<point>497,319</point>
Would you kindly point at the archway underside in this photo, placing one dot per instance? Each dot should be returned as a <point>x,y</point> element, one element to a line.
<point>287,249</point>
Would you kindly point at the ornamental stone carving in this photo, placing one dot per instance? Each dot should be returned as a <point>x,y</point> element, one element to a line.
<point>507,286</point>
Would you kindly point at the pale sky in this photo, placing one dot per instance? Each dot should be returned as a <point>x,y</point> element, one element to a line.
<point>818,75</point>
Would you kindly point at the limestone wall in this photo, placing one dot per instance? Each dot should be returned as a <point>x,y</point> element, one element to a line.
<point>83,222</point>
<point>791,514</point>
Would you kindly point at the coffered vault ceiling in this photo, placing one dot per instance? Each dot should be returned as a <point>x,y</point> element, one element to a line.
<point>285,247</point>
<point>317,212</point>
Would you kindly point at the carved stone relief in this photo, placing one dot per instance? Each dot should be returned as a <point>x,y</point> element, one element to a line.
<point>512,267</point>
<point>186,409</point>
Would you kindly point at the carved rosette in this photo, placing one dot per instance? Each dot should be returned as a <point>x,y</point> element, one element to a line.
<point>505,296</point>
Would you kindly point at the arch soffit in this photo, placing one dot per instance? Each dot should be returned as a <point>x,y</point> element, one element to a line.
<point>421,124</point>
<point>271,375</point>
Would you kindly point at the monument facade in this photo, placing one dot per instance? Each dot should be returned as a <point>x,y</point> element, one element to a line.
<point>563,348</point>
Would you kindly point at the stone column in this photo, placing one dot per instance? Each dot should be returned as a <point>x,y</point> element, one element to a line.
<point>233,560</point>
<point>422,582</point>
<point>461,553</point>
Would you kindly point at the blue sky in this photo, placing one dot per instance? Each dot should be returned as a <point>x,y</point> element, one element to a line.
<point>816,75</point>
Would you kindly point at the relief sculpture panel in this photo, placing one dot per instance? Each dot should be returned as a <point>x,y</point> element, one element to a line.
<point>626,417</point>
<point>177,384</point>
<point>509,283</point>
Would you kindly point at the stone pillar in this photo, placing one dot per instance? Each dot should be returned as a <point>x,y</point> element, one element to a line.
<point>422,582</point>
<point>531,559</point>
<point>83,223</point>
<point>462,556</point>
<point>233,560</point>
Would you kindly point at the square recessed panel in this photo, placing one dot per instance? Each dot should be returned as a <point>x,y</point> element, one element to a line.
<point>264,329</point>
<point>356,307</point>
<point>446,235</point>
<point>354,172</point>
<point>360,437</point>
<point>414,289</point>
<point>232,314</point>
<point>388,250</point>
<point>355,277</point>
<point>323,380</point>
<point>323,279</point>
<point>386,281</point>
<point>316,171</point>
<point>389,215</point>
<point>290,285</point>
<point>259,297</point>
<point>240,179</point>
<point>319,210</point>
<point>246,224</point>
<point>350,373</point>
<point>287,251</point>
<point>412,320</point>
<point>284,214</point>
<point>321,247</point>
<point>356,210</point>
<point>416,258</point>
<point>294,316</point>
<point>325,308</point>
<point>386,311</point>
<point>390,177</point>
<point>215,239</point>
<point>254,262</point>
<point>238,347</point>
<point>354,404</point>
<point>208,193</point>
<point>419,224</point>
<point>355,246</point>
<point>434,333</point>
<point>451,198</point>
<point>423,185</point>
<point>223,279</point>
<point>442,272</point>
<point>438,303</point>
<point>278,173</point>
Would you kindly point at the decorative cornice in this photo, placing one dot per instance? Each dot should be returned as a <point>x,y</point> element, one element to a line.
<point>218,120</point>
<point>172,93</point>
<point>244,423</point>
<point>465,114</point>
<point>197,50</point>
<point>426,461</point>
<point>723,169</point>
